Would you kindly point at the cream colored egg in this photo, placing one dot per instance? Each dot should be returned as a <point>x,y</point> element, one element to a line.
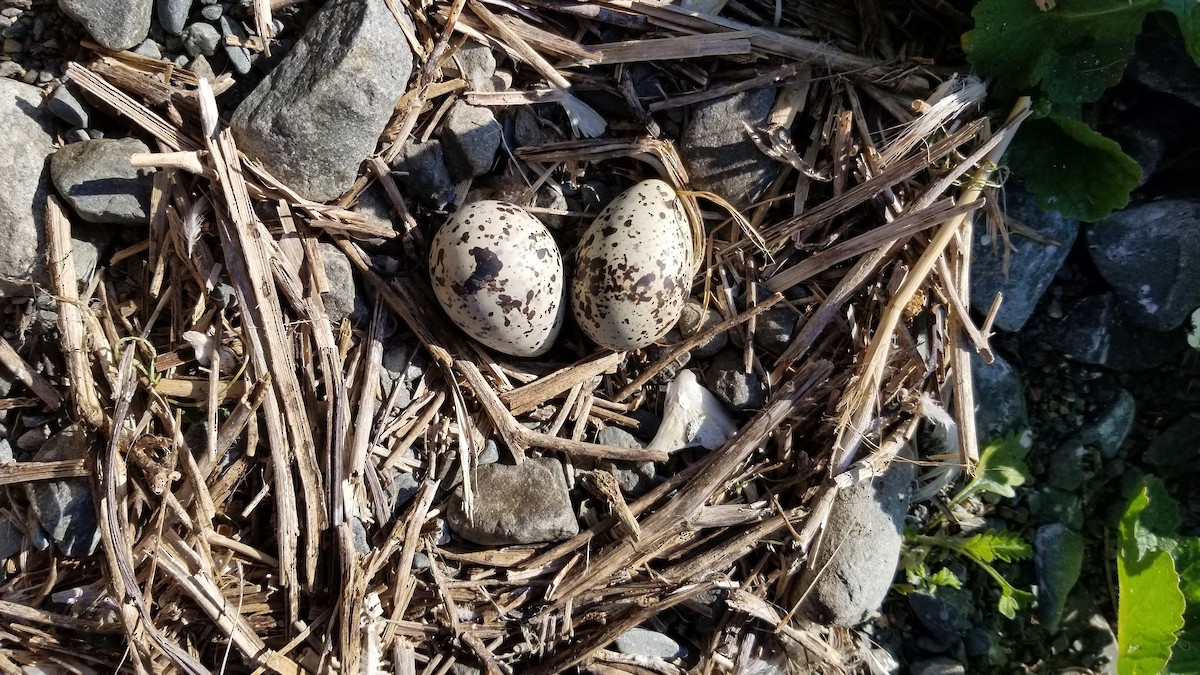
<point>498,274</point>
<point>633,268</point>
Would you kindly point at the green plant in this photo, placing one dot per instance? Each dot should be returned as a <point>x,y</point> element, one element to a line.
<point>1066,54</point>
<point>1001,469</point>
<point>983,548</point>
<point>1158,577</point>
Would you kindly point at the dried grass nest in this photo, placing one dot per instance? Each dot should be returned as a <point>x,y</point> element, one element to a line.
<point>234,550</point>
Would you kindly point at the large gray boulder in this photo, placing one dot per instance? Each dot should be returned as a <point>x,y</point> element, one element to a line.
<point>116,24</point>
<point>320,112</point>
<point>97,180</point>
<point>718,151</point>
<point>25,129</point>
<point>525,503</point>
<point>849,575</point>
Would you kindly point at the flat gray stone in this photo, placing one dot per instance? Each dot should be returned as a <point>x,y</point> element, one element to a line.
<point>470,138</point>
<point>718,152</point>
<point>66,106</point>
<point>97,180</point>
<point>475,63</point>
<point>25,127</point>
<point>738,390</point>
<point>201,38</point>
<point>11,538</point>
<point>516,504</point>
<point>848,576</point>
<point>939,665</point>
<point>642,642</point>
<point>1108,428</point>
<point>173,15</point>
<point>1058,559</point>
<point>64,507</point>
<point>999,399</point>
<point>1178,446</point>
<point>116,24</point>
<point>1032,263</point>
<point>239,57</point>
<point>1096,331</point>
<point>342,300</point>
<point>321,110</point>
<point>427,175</point>
<point>1150,255</point>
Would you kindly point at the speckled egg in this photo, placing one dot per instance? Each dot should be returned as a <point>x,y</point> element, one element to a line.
<point>633,268</point>
<point>498,274</point>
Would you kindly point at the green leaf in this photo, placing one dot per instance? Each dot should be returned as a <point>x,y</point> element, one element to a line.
<point>1072,168</point>
<point>1008,605</point>
<point>1003,545</point>
<point>1156,523</point>
<point>1073,51</point>
<point>1001,468</point>
<point>1150,604</point>
<point>944,577</point>
<point>1187,12</point>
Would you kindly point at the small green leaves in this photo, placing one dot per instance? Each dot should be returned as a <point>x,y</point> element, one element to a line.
<point>1001,468</point>
<point>1150,603</point>
<point>1072,168</point>
<point>992,546</point>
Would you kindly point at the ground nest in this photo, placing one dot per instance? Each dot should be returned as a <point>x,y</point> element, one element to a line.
<point>244,451</point>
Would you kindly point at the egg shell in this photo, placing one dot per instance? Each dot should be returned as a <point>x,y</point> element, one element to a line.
<point>633,268</point>
<point>498,274</point>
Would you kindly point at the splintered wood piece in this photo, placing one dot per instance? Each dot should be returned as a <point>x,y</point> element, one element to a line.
<point>40,386</point>
<point>602,484</point>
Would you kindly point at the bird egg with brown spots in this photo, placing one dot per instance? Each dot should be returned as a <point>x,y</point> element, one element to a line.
<point>498,274</point>
<point>634,268</point>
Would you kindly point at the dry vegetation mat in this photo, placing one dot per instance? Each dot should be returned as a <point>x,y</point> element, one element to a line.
<point>235,547</point>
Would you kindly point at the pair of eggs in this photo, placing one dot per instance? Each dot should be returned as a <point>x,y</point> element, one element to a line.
<point>498,274</point>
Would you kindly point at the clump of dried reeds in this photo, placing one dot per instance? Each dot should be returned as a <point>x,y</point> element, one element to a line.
<point>234,547</point>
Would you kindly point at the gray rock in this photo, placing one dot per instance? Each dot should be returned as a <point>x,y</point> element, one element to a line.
<point>67,107</point>
<point>97,180</point>
<point>475,63</point>
<point>634,478</point>
<point>427,176</point>
<point>1095,331</point>
<point>239,57</point>
<point>1178,446</point>
<point>342,300</point>
<point>11,539</point>
<point>719,154</point>
<point>1058,559</point>
<point>201,68</point>
<point>1032,263</point>
<point>1150,255</point>
<point>940,665</point>
<point>25,127</point>
<point>212,12</point>
<point>516,504</point>
<point>943,612</point>
<point>694,319</point>
<point>1161,62</point>
<point>401,490</point>
<point>1094,643</point>
<point>642,642</point>
<point>148,48</point>
<point>528,131</point>
<point>470,138</point>
<point>358,534</point>
<point>201,38</point>
<point>738,390</point>
<point>999,399</point>
<point>115,24</point>
<point>87,243</point>
<point>774,329</point>
<point>849,574</point>
<point>1051,505</point>
<point>1108,428</point>
<point>173,15</point>
<point>320,112</point>
<point>1066,466</point>
<point>64,507</point>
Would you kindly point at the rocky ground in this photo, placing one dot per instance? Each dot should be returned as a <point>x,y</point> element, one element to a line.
<point>1093,365</point>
